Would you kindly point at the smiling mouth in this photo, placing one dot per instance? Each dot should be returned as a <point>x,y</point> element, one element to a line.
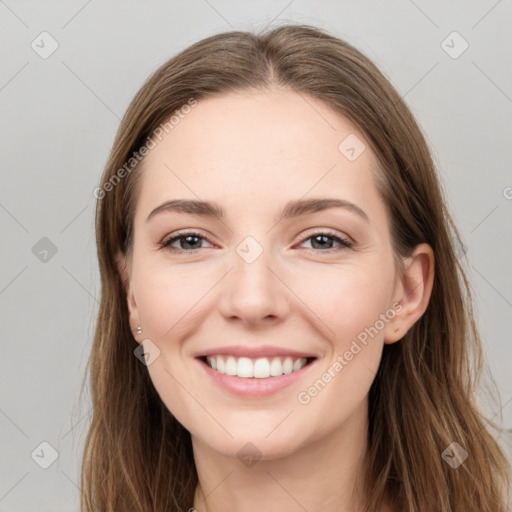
<point>256,368</point>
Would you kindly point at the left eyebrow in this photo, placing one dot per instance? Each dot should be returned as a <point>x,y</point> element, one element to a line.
<point>307,206</point>
<point>292,209</point>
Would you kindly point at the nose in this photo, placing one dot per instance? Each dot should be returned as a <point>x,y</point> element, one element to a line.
<point>254,292</point>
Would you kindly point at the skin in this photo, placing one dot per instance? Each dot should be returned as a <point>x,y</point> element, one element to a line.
<point>251,152</point>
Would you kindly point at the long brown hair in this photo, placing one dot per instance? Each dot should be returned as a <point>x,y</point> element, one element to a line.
<point>137,456</point>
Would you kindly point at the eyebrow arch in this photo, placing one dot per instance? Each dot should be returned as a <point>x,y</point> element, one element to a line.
<point>292,209</point>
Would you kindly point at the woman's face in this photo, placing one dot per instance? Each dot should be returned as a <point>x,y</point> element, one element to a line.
<point>256,287</point>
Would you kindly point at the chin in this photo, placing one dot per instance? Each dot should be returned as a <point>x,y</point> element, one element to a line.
<point>248,447</point>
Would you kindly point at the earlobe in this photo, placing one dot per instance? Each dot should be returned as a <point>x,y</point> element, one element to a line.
<point>414,292</point>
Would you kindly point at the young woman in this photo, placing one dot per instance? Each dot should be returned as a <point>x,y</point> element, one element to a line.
<point>284,324</point>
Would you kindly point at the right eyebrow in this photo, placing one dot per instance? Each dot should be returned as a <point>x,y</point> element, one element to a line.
<point>205,208</point>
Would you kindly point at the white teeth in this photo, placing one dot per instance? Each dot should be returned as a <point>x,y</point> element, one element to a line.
<point>260,368</point>
<point>297,365</point>
<point>276,368</point>
<point>288,365</point>
<point>231,366</point>
<point>245,368</point>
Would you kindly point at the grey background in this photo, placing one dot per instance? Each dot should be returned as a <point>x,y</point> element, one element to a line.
<point>59,117</point>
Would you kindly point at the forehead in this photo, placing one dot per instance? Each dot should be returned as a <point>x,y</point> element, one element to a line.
<point>258,149</point>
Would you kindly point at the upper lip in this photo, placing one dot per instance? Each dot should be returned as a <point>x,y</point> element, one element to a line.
<point>254,352</point>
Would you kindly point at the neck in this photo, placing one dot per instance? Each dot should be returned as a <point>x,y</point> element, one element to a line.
<point>325,474</point>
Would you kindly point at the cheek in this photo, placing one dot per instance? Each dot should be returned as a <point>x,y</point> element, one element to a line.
<point>169,297</point>
<point>348,301</point>
<point>336,306</point>
<point>351,305</point>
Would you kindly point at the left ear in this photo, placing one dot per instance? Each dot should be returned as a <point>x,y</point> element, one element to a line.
<point>413,292</point>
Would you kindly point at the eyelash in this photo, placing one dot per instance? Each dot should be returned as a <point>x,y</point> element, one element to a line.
<point>345,243</point>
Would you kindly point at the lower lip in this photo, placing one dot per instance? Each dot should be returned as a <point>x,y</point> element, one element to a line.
<point>254,387</point>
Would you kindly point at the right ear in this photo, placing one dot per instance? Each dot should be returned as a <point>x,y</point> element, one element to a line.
<point>122,269</point>
<point>124,272</point>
